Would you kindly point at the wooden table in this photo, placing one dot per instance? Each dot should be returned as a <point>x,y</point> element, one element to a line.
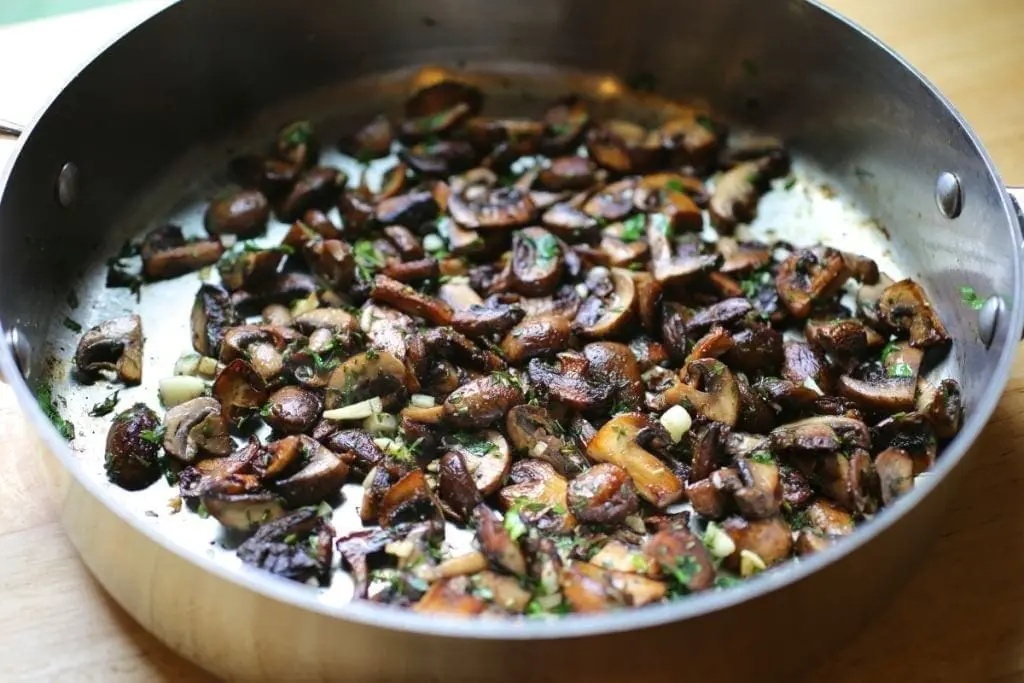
<point>961,618</point>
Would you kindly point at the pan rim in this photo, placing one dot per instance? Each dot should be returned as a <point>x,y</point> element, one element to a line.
<point>570,626</point>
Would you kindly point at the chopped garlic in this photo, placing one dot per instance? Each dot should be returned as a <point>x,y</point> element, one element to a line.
<point>677,421</point>
<point>422,400</point>
<point>718,542</point>
<point>809,383</point>
<point>356,411</point>
<point>381,423</point>
<point>433,242</point>
<point>179,389</point>
<point>751,563</point>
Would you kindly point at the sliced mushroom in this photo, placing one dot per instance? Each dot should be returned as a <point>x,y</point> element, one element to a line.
<point>612,203</point>
<point>483,401</point>
<point>504,593</point>
<point>212,315</point>
<point>681,557</point>
<point>709,387</point>
<point>803,364</point>
<point>690,138</point>
<point>337,320</point>
<point>910,432</point>
<point>354,446</point>
<point>537,262</point>
<point>248,268</point>
<point>604,494</point>
<point>284,288</point>
<point>737,192</point>
<point>895,473</point>
<point>895,391</point>
<point>624,147</point>
<point>196,428</point>
<point>291,410</point>
<point>112,345</point>
<point>456,486</point>
<point>570,223</point>
<point>167,254</point>
<point>487,458</point>
<point>715,344</point>
<point>240,390</point>
<point>441,96</point>
<point>484,320</point>
<point>320,476</point>
<point>849,479</point>
<point>243,213</point>
<point>616,443</point>
<point>829,519</point>
<point>504,207</point>
<point>297,145</point>
<point>818,435</point>
<point>761,494</point>
<point>533,431</point>
<point>497,543</point>
<point>744,146</point>
<point>411,210</point>
<point>942,405</point>
<point>243,511</point>
<point>130,458</point>
<point>588,588</point>
<point>771,540</point>
<point>539,496</point>
<point>568,173</point>
<point>331,260</point>
<point>904,307</point>
<point>372,141</point>
<point>809,277</point>
<point>537,336</point>
<point>666,194</point>
<point>407,500</point>
<point>408,300</point>
<point>615,365</point>
<point>810,541</point>
<point>317,188</point>
<point>564,124</point>
<point>607,314</point>
<point>364,376</point>
<point>440,159</point>
<point>568,381</point>
<point>788,398</point>
<point>451,598</point>
<point>297,546</point>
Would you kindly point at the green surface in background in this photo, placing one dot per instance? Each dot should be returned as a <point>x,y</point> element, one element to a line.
<point>12,11</point>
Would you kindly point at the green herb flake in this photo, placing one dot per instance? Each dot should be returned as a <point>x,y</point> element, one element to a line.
<point>514,524</point>
<point>675,186</point>
<point>47,404</point>
<point>155,436</point>
<point>726,581</point>
<point>290,539</point>
<point>901,370</point>
<point>890,348</point>
<point>685,569</point>
<point>971,298</point>
<point>762,457</point>
<point>104,407</point>
<point>476,445</point>
<point>546,247</point>
<point>633,228</point>
<point>790,183</point>
<point>72,325</point>
<point>202,511</point>
<point>368,259</point>
<point>72,300</point>
<point>324,509</point>
<point>798,520</point>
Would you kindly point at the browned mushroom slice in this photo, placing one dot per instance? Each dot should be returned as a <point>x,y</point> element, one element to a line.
<point>240,390</point>
<point>212,315</point>
<point>757,414</point>
<point>112,345</point>
<point>805,365</point>
<point>624,147</point>
<point>715,344</point>
<point>736,194</point>
<point>497,543</point>
<point>615,365</point>
<point>487,458</point>
<point>568,173</point>
<point>810,276</point>
<point>538,495</point>
<point>709,387</point>
<point>607,314</point>
<point>296,546</point>
<point>895,473</point>
<point>770,540</point>
<point>450,597</point>
<point>314,222</point>
<point>744,146</point>
<point>440,159</point>
<point>614,251</point>
<point>442,95</point>
<point>761,494</point>
<point>271,176</point>
<point>407,500</point>
<point>411,210</point>
<point>533,431</point>
<point>616,443</point>
<point>249,268</point>
<point>622,557</point>
<point>244,511</point>
<point>534,337</point>
<point>612,203</point>
<point>904,307</point>
<point>364,376</point>
<point>911,432</point>
<point>297,144</point>
<point>690,139</point>
<point>482,321</point>
<point>756,349</point>
<point>536,261</point>
<point>372,141</point>
<point>829,519</point>
<point>332,260</point>
<point>320,476</point>
<point>819,435</point>
<point>849,479</point>
<point>503,207</point>
<point>196,428</point>
<point>243,213</point>
<point>742,257</point>
<point>842,338</point>
<point>666,194</point>
<point>864,270</point>
<point>386,328</point>
<point>337,320</point>
<point>456,486</point>
<point>895,391</point>
<point>569,381</point>
<point>604,494</point>
<point>291,410</point>
<point>682,558</point>
<point>588,588</point>
<point>570,223</point>
<point>283,288</point>
<point>317,188</point>
<point>166,253</point>
<point>707,499</point>
<point>130,457</point>
<point>483,401</point>
<point>564,124</point>
<point>942,405</point>
<point>408,300</point>
<point>810,541</point>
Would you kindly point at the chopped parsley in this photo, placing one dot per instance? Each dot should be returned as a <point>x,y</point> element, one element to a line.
<point>684,570</point>
<point>726,581</point>
<point>48,405</point>
<point>547,248</point>
<point>762,457</point>
<point>798,520</point>
<point>368,259</point>
<point>890,348</point>
<point>153,435</point>
<point>104,407</point>
<point>298,133</point>
<point>324,509</point>
<point>514,524</point>
<point>790,183</point>
<point>202,511</point>
<point>675,186</point>
<point>971,298</point>
<point>633,228</point>
<point>901,370</point>
<point>72,325</point>
<point>752,285</point>
<point>476,445</point>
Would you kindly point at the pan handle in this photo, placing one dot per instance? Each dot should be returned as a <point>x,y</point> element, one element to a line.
<point>9,129</point>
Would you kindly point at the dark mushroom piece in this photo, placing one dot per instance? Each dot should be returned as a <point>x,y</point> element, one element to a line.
<point>283,288</point>
<point>648,301</point>
<point>904,307</point>
<point>410,210</point>
<point>615,365</point>
<point>196,428</point>
<point>297,145</point>
<point>809,277</point>
<point>588,588</point>
<point>895,391</point>
<point>819,435</point>
<point>682,557</point>
<point>539,496</point>
<point>616,443</point>
<point>568,173</point>
<point>737,192</point>
<point>291,410</point>
<point>690,138</point>
<point>624,147</point>
<point>761,494</point>
<point>829,519</point>
<point>367,375</point>
<point>243,213</point>
<point>130,458</point>
<point>487,458</point>
<point>484,320</point>
<point>895,470</point>
<point>568,381</point>
<point>270,176</point>
<point>613,202</point>
<point>533,431</point>
<point>212,315</point>
<point>456,487</point>
<point>745,146</point>
<point>439,98</point>
<point>112,345</point>
<point>537,336</point>
<point>407,500</point>
<point>440,159</point>
<point>564,124</point>
<point>537,263</point>
<point>497,544</point>
<point>666,194</point>
<point>845,339</point>
<point>482,402</point>
<point>242,512</point>
<point>450,597</point>
<point>167,254</point>
<point>503,208</point>
<point>742,257</point>
<point>297,546</point>
<point>805,365</point>
<point>320,476</point>
<point>604,494</point>
<point>605,313</point>
<point>942,405</point>
<point>332,260</point>
<point>317,188</point>
<point>770,541</point>
<point>249,268</point>
<point>910,432</point>
<point>372,141</point>
<point>758,348</point>
<point>240,390</point>
<point>408,300</point>
<point>709,387</point>
<point>570,223</point>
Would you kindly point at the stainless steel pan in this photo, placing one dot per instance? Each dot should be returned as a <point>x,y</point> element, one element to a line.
<point>154,117</point>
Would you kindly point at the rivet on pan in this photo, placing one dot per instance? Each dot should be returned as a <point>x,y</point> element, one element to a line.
<point>988,318</point>
<point>67,184</point>
<point>949,195</point>
<point>19,347</point>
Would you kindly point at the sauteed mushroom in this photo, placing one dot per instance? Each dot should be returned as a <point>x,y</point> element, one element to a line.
<point>532,346</point>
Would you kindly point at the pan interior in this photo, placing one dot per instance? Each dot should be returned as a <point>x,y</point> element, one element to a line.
<point>803,209</point>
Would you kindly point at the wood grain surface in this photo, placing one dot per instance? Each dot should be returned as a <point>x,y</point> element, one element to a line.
<point>960,619</point>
